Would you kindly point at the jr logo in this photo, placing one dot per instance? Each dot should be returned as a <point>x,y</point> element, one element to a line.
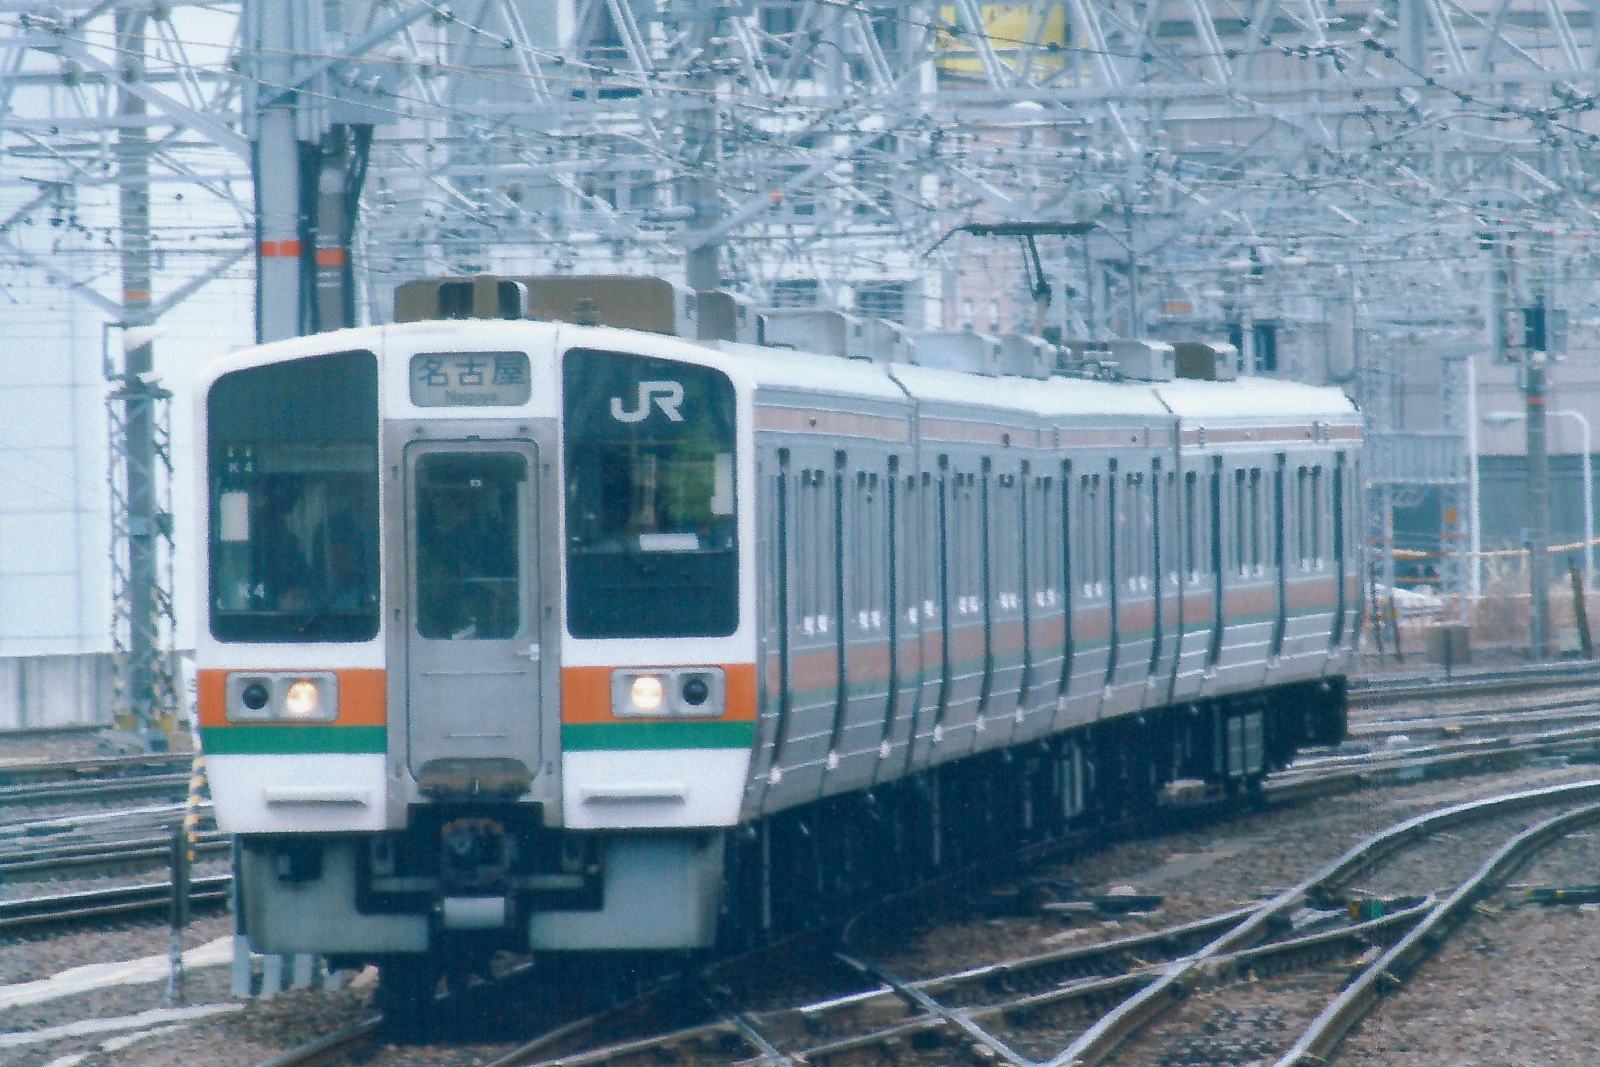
<point>668,396</point>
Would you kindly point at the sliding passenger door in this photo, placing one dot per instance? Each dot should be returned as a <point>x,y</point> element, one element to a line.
<point>473,642</point>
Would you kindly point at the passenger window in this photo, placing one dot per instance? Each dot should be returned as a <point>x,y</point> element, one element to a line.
<point>1001,532</point>
<point>866,553</point>
<point>469,566</point>
<point>814,552</point>
<point>1043,537</point>
<point>801,550</point>
<point>1191,525</point>
<point>1170,558</point>
<point>1135,523</point>
<point>1239,533</point>
<point>1317,548</point>
<point>1255,520</point>
<point>1069,529</point>
<point>1095,554</point>
<point>783,546</point>
<point>822,499</point>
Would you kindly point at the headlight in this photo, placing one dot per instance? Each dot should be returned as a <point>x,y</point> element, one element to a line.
<point>274,697</point>
<point>645,694</point>
<point>302,699</point>
<point>688,692</point>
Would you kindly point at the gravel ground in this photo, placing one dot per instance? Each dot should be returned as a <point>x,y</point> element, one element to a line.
<point>19,747</point>
<point>1512,988</point>
<point>1206,871</point>
<point>1501,992</point>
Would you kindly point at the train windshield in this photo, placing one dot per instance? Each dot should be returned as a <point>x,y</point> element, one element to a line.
<point>651,548</point>
<point>293,483</point>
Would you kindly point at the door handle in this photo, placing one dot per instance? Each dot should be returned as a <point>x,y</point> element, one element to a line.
<point>531,652</point>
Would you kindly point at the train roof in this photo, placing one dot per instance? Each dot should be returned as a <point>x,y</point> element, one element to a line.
<point>795,371</point>
<point>1055,397</point>
<point>1046,397</point>
<point>1255,398</point>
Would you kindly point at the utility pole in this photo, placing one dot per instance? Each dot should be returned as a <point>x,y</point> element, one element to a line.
<point>278,171</point>
<point>1533,345</point>
<point>703,269</point>
<point>145,696</point>
<point>1538,507</point>
<point>342,166</point>
<point>310,157</point>
<point>1135,319</point>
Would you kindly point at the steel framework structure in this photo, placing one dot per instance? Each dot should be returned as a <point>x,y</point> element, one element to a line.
<point>1247,148</point>
<point>1238,159</point>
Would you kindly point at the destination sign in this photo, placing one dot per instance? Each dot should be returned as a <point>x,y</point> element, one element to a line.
<point>470,379</point>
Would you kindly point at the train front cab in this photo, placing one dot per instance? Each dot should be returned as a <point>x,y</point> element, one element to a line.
<point>541,736</point>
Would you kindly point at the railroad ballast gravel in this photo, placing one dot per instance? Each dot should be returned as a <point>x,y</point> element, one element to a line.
<point>1507,991</point>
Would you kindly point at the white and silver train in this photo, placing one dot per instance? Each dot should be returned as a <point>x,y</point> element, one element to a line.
<point>584,638</point>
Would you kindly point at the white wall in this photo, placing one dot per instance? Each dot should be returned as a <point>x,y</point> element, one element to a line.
<point>55,580</point>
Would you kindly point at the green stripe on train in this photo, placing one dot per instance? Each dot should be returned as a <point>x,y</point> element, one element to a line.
<point>266,740</point>
<point>614,736</point>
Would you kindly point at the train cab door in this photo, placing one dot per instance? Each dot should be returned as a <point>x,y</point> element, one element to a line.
<point>473,616</point>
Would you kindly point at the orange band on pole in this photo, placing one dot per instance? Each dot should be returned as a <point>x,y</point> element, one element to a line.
<point>280,249</point>
<point>332,257</point>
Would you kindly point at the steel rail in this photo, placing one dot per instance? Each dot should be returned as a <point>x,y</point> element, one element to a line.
<point>112,787</point>
<point>39,772</point>
<point>1221,930</point>
<point>1435,686</point>
<point>747,1029</point>
<point>1175,938</point>
<point>1407,954</point>
<point>1318,945</point>
<point>1207,932</point>
<point>1579,708</point>
<point>69,729</point>
<point>78,858</point>
<point>984,1044</point>
<point>97,903</point>
<point>330,1048</point>
<point>522,1053</point>
<point>1295,785</point>
<point>23,851</point>
<point>933,1017</point>
<point>1102,1038</point>
<point>81,820</point>
<point>744,1025</point>
<point>1532,741</point>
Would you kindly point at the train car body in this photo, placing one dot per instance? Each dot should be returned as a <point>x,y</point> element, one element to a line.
<point>576,638</point>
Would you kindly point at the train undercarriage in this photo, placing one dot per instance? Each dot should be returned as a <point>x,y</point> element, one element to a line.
<point>471,878</point>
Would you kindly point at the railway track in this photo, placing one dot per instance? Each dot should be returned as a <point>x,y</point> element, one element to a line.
<point>1404,957</point>
<point>1436,684</point>
<point>150,897</point>
<point>154,785</point>
<point>1030,986</point>
<point>1477,720</point>
<point>1110,991</point>
<point>1118,986</point>
<point>44,862</point>
<point>43,772</point>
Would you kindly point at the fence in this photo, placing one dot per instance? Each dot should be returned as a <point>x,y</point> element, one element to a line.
<point>1498,621</point>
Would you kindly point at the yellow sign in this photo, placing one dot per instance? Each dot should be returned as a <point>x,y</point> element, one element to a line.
<point>1026,38</point>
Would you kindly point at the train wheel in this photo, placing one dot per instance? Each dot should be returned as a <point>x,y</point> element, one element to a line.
<point>406,987</point>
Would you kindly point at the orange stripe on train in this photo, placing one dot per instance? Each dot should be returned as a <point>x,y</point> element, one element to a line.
<point>363,698</point>
<point>586,693</point>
